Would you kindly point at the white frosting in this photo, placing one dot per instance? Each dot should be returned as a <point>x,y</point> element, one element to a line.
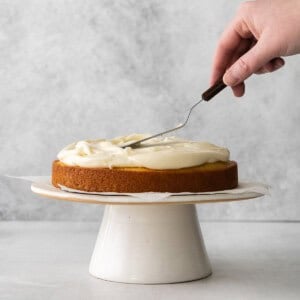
<point>158,153</point>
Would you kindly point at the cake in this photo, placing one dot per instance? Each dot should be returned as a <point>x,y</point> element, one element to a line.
<point>164,164</point>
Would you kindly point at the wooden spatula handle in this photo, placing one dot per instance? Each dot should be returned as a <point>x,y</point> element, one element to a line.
<point>214,90</point>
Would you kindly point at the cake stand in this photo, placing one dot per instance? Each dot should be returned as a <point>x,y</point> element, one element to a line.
<point>147,242</point>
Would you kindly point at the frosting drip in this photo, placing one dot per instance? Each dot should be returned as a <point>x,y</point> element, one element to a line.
<point>158,153</point>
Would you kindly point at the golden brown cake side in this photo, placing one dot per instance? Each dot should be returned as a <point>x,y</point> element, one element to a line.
<point>204,178</point>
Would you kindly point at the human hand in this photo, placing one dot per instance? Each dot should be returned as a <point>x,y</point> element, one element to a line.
<point>261,32</point>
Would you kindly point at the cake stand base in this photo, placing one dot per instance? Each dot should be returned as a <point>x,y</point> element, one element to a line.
<point>150,241</point>
<point>150,244</point>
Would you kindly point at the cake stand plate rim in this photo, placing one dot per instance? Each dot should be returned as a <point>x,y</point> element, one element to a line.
<point>49,191</point>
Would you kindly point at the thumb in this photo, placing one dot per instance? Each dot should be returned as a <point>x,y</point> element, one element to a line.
<point>249,63</point>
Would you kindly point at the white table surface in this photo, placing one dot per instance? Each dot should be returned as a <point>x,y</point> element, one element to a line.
<point>49,260</point>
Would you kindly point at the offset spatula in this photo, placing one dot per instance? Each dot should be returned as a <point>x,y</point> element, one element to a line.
<point>206,96</point>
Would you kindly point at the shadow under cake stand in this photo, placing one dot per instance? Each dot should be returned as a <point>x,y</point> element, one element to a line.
<point>147,242</point>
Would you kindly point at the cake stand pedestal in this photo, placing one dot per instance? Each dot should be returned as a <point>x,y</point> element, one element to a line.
<point>150,244</point>
<point>147,242</point>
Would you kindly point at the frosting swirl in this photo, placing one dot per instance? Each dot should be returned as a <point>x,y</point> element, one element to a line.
<point>158,153</point>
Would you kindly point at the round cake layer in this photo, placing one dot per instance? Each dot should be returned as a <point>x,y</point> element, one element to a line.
<point>207,177</point>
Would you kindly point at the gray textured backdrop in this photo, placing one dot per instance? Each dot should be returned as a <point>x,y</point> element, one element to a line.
<point>72,70</point>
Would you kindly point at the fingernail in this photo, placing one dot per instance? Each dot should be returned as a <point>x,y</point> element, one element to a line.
<point>231,77</point>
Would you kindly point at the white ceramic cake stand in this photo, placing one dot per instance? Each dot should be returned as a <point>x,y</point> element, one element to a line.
<point>147,242</point>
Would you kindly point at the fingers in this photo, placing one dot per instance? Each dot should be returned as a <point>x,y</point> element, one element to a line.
<point>244,46</point>
<point>249,63</point>
<point>239,90</point>
<point>237,32</point>
<point>271,66</point>
<point>226,47</point>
